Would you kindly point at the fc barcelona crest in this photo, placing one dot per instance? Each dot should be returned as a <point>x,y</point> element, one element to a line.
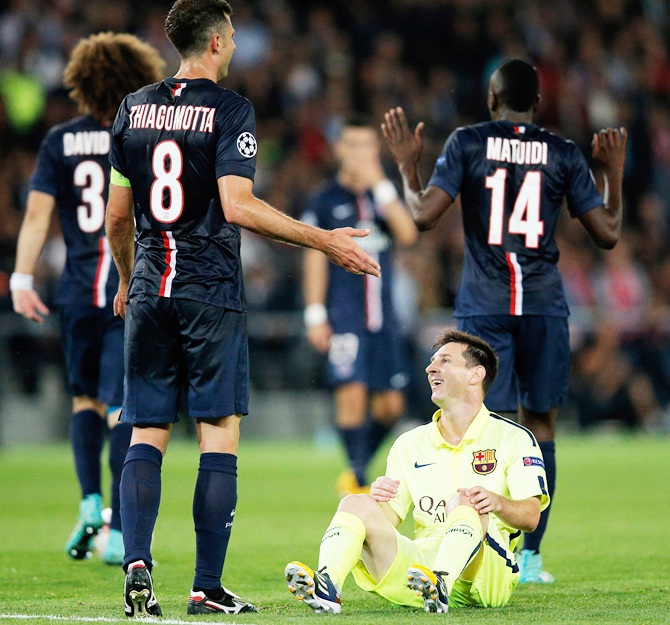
<point>484,462</point>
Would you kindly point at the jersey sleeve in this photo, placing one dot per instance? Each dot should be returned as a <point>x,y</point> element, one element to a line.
<point>236,145</point>
<point>525,474</point>
<point>402,502</point>
<point>45,176</point>
<point>116,156</point>
<point>448,172</point>
<point>582,194</point>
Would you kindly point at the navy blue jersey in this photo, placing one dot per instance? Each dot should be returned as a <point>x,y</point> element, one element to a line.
<point>72,167</point>
<point>354,302</point>
<point>173,140</point>
<point>512,180</point>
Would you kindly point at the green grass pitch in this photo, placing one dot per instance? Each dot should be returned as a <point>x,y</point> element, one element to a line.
<point>608,542</point>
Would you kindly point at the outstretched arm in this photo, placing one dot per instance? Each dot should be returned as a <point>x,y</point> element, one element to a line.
<point>425,205</point>
<point>603,223</point>
<point>242,208</point>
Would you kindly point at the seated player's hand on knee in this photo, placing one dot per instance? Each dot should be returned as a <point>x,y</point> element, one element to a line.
<point>482,500</point>
<point>384,489</point>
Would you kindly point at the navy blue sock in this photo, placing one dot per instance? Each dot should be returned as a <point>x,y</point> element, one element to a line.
<point>532,541</point>
<point>87,433</point>
<point>377,432</point>
<point>356,445</point>
<point>214,503</point>
<point>140,493</point>
<point>119,440</point>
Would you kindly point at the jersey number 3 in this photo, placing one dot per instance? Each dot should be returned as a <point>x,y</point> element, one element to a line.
<point>167,165</point>
<point>90,176</point>
<point>525,217</point>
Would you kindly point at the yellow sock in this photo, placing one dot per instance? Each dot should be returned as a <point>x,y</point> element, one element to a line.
<point>460,544</point>
<point>341,546</point>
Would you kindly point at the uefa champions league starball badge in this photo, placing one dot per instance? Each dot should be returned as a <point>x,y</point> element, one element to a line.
<point>246,144</point>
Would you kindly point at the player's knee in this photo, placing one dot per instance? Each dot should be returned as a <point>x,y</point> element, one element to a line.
<point>362,506</point>
<point>84,402</point>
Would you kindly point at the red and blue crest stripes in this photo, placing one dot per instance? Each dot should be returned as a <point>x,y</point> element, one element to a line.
<point>374,314</point>
<point>170,245</point>
<point>177,89</point>
<point>102,273</point>
<point>515,285</point>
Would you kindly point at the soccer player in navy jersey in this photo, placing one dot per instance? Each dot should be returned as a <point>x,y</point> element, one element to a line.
<point>183,159</point>
<point>72,175</point>
<point>353,319</point>
<point>512,177</point>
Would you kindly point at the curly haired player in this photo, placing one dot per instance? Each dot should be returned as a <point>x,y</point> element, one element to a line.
<point>72,175</point>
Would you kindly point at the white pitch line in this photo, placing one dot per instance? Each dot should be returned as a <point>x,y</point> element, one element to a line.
<point>103,619</point>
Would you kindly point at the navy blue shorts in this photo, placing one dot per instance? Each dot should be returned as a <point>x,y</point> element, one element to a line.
<point>534,354</point>
<point>375,358</point>
<point>93,346</point>
<point>183,353</point>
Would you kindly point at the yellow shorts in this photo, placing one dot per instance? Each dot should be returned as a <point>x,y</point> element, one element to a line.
<point>494,582</point>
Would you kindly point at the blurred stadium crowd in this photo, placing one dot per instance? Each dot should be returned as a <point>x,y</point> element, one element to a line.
<point>304,65</point>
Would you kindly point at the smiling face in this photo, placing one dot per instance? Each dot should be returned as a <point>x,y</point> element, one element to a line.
<point>450,376</point>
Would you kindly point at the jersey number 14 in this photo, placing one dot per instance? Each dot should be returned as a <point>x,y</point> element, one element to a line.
<point>525,217</point>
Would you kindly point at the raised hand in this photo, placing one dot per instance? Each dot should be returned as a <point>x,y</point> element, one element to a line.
<point>405,145</point>
<point>609,148</point>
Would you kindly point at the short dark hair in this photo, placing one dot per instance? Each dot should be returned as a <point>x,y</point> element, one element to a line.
<point>190,24</point>
<point>105,67</point>
<point>518,85</point>
<point>477,352</point>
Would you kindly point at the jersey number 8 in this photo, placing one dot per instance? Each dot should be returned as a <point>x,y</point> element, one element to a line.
<point>167,165</point>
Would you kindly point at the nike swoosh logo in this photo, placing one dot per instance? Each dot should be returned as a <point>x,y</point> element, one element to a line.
<point>420,466</point>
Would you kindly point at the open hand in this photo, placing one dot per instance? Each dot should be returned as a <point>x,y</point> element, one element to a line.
<point>609,148</point>
<point>345,252</point>
<point>405,145</point>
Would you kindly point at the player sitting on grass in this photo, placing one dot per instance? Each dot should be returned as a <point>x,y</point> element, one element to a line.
<point>475,480</point>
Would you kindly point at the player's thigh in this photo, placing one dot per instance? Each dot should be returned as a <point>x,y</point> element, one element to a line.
<point>81,337</point>
<point>110,385</point>
<point>500,332</point>
<point>216,360</point>
<point>152,359</point>
<point>393,585</point>
<point>544,362</point>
